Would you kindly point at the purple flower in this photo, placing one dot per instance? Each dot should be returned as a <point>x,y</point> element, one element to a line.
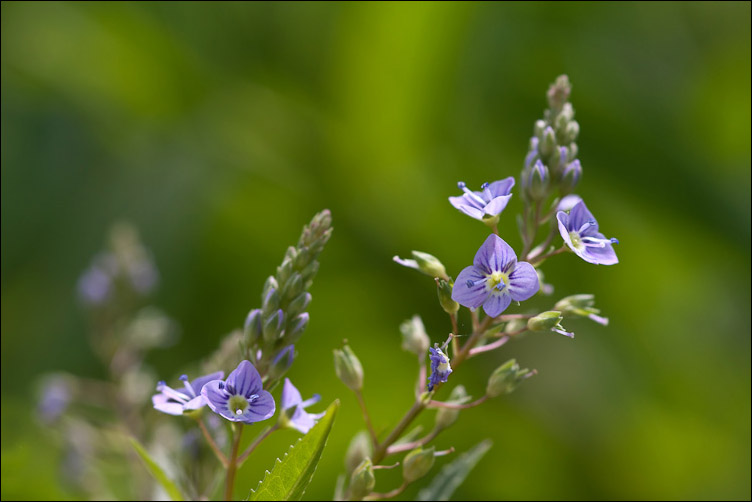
<point>489,202</point>
<point>175,402</point>
<point>580,232</point>
<point>241,398</point>
<point>56,395</point>
<point>440,368</point>
<point>293,409</point>
<point>495,279</point>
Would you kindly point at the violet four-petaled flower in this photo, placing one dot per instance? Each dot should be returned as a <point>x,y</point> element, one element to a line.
<point>489,202</point>
<point>293,409</point>
<point>241,398</point>
<point>174,402</point>
<point>495,279</point>
<point>440,368</point>
<point>580,232</point>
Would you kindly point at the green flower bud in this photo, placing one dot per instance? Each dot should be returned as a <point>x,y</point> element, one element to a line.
<point>293,287</point>
<point>417,463</point>
<point>362,480</point>
<point>558,93</point>
<point>573,130</point>
<point>429,264</point>
<point>548,142</point>
<point>444,289</point>
<point>580,306</point>
<point>572,152</point>
<point>272,327</point>
<point>544,321</point>
<point>348,368</point>
<point>515,325</point>
<point>360,448</point>
<point>540,126</point>
<point>414,337</point>
<point>299,304</point>
<point>506,378</point>
<point>447,416</point>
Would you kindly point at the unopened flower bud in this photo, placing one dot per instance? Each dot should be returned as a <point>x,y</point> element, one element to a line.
<point>570,176</point>
<point>444,289</point>
<point>293,287</point>
<point>417,463</point>
<point>299,304</point>
<point>572,151</point>
<point>282,362</point>
<point>580,306</point>
<point>298,325</point>
<point>362,480</point>
<point>252,327</point>
<point>271,283</point>
<point>359,449</point>
<point>272,327</point>
<point>271,300</point>
<point>558,93</point>
<point>544,321</point>
<point>414,337</point>
<point>537,187</point>
<point>538,128</point>
<point>348,368</point>
<point>573,130</point>
<point>548,142</point>
<point>447,416</point>
<point>506,378</point>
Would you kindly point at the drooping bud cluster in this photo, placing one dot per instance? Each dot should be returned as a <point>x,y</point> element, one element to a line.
<point>270,331</point>
<point>551,161</point>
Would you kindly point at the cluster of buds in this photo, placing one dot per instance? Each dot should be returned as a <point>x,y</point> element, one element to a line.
<point>270,331</point>
<point>551,162</point>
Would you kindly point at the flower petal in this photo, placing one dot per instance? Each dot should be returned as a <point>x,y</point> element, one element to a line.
<point>523,282</point>
<point>579,216</point>
<point>195,403</point>
<point>245,379</point>
<point>563,219</point>
<point>260,409</point>
<point>496,304</point>
<point>199,382</point>
<point>494,255</point>
<point>216,397</point>
<point>303,421</point>
<point>470,296</point>
<point>166,405</point>
<point>600,256</point>
<point>497,205</point>
<point>290,395</point>
<point>467,206</point>
<point>501,187</point>
<point>406,262</point>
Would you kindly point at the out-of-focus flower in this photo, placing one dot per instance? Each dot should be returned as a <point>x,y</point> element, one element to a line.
<point>56,395</point>
<point>580,232</point>
<point>241,398</point>
<point>495,279</point>
<point>174,402</point>
<point>293,413</point>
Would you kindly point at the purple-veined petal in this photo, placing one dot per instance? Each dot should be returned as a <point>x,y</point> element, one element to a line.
<point>494,255</point>
<point>467,206</point>
<point>303,421</point>
<point>496,304</point>
<point>497,205</point>
<point>245,379</point>
<point>600,256</point>
<point>523,282</point>
<point>308,402</point>
<point>568,202</point>
<point>470,296</point>
<point>290,395</point>
<point>501,187</point>
<point>216,396</point>
<point>260,409</point>
<point>199,382</point>
<point>579,216</point>
<point>195,403</point>
<point>166,405</point>
<point>563,219</point>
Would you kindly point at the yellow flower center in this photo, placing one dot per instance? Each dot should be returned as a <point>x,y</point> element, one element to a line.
<point>497,278</point>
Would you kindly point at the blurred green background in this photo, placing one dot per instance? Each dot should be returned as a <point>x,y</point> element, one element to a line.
<point>220,129</point>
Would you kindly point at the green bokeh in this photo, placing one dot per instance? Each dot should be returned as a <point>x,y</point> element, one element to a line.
<point>220,129</point>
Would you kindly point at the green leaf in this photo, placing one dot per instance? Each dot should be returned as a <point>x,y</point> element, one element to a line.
<point>453,474</point>
<point>290,476</point>
<point>156,471</point>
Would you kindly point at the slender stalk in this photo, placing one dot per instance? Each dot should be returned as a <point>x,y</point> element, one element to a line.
<point>455,332</point>
<point>232,466</point>
<point>212,443</point>
<point>388,495</point>
<point>540,259</point>
<point>242,458</point>
<point>488,347</point>
<point>367,418</point>
<point>456,406</point>
<point>414,444</point>
<point>380,451</point>
<point>421,387</point>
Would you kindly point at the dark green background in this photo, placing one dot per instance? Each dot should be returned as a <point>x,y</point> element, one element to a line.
<point>220,129</point>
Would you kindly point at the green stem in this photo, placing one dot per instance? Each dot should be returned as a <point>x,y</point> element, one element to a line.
<point>367,418</point>
<point>232,466</point>
<point>212,443</point>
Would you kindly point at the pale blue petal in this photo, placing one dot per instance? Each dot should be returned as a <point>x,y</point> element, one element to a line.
<point>523,282</point>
